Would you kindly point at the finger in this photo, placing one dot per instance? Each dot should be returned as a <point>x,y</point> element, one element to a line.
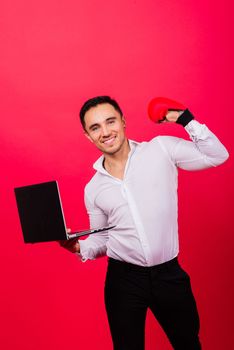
<point>163,120</point>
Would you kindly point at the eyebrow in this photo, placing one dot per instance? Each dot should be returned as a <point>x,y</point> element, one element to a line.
<point>96,124</point>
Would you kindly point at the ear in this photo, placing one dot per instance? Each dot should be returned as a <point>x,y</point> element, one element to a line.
<point>124,121</point>
<point>88,137</point>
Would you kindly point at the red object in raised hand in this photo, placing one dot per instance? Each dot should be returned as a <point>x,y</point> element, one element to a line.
<point>159,107</point>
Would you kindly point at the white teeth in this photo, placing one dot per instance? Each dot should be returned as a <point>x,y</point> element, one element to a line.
<point>109,141</point>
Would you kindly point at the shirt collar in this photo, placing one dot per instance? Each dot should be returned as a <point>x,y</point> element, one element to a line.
<point>98,165</point>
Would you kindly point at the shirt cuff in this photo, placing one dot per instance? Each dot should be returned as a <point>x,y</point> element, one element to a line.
<point>85,252</point>
<point>196,130</point>
<point>79,255</point>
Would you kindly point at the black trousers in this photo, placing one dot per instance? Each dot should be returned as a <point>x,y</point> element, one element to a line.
<point>165,289</point>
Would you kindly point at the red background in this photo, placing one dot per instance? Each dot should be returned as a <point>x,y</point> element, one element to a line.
<point>54,55</point>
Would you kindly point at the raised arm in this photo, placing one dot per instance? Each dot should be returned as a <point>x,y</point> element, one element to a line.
<point>203,152</point>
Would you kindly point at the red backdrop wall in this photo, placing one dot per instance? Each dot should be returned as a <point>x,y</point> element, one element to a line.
<point>54,55</point>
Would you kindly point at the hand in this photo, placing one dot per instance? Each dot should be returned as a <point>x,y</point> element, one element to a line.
<point>172,116</point>
<point>162,109</point>
<point>72,245</point>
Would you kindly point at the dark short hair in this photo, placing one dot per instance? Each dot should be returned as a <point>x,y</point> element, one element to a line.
<point>95,101</point>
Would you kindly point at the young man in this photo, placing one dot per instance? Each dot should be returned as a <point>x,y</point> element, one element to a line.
<point>135,189</point>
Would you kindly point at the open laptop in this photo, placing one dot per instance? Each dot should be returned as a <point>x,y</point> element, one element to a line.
<point>41,214</point>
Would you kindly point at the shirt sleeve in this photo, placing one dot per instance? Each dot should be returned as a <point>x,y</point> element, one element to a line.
<point>204,151</point>
<point>95,245</point>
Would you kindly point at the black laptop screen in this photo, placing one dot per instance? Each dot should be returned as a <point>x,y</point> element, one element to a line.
<point>40,212</point>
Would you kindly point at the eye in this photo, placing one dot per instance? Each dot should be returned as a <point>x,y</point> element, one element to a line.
<point>111,121</point>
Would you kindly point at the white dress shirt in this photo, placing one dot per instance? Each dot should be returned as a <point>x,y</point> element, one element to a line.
<point>143,205</point>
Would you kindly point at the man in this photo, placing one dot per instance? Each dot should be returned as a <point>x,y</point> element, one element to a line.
<point>135,189</point>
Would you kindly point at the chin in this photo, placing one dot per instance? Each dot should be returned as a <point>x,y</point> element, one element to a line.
<point>111,150</point>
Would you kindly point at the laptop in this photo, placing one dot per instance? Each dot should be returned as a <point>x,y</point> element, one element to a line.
<point>41,214</point>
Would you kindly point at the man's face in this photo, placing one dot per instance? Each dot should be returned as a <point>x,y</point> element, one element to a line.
<point>105,127</point>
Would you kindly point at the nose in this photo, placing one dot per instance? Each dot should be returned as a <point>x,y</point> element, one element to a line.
<point>105,131</point>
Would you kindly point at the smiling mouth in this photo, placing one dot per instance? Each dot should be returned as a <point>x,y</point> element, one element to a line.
<point>109,141</point>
